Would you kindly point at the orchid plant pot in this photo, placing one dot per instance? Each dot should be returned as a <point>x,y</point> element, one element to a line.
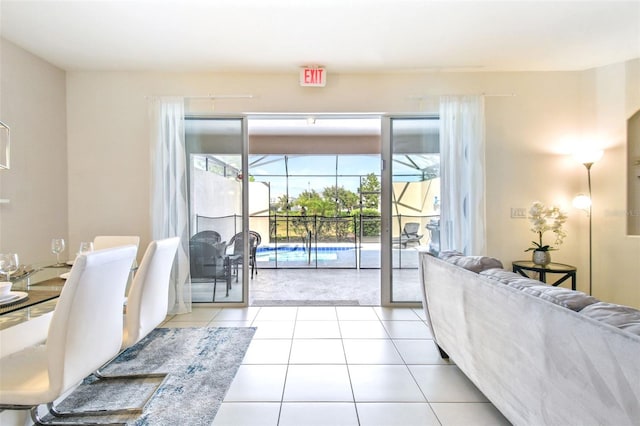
<point>541,257</point>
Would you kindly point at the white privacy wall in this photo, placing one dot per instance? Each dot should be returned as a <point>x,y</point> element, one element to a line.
<point>527,153</point>
<point>217,196</point>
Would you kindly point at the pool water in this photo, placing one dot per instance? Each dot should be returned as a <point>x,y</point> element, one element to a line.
<point>298,253</point>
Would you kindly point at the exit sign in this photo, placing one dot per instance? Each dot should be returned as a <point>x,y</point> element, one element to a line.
<point>313,76</point>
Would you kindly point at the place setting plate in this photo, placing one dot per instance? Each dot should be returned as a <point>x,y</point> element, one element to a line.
<point>12,297</point>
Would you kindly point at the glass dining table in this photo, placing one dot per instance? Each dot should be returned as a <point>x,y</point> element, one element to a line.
<point>36,289</point>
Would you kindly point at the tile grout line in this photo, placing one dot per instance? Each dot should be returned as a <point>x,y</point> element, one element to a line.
<point>297,317</point>
<point>344,352</point>
<point>286,372</point>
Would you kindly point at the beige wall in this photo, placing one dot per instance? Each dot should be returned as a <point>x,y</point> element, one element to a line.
<point>527,154</point>
<point>108,137</point>
<point>633,174</point>
<point>33,104</point>
<point>615,255</point>
<point>526,151</point>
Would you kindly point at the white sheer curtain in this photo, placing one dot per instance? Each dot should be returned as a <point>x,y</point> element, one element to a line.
<point>169,209</point>
<point>462,141</point>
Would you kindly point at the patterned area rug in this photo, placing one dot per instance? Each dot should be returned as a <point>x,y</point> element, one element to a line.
<point>201,363</point>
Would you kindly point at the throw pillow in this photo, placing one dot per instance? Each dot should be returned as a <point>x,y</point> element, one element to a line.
<point>512,279</point>
<point>522,283</point>
<point>570,299</point>
<point>501,275</point>
<point>476,263</point>
<point>623,317</point>
<point>445,255</point>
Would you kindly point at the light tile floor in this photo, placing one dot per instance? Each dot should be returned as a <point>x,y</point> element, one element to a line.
<point>330,366</point>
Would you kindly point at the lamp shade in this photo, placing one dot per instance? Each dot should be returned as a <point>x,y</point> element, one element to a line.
<point>582,202</point>
<point>587,155</point>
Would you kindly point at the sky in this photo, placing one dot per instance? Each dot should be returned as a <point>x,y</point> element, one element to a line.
<point>316,172</point>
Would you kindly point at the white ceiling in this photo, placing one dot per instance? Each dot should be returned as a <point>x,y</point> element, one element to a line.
<point>342,35</point>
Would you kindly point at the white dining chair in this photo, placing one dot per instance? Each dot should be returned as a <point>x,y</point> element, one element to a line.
<point>147,307</point>
<point>85,332</point>
<point>108,241</point>
<point>101,242</point>
<point>149,293</point>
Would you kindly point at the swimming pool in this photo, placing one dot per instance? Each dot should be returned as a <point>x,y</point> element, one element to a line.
<point>298,253</point>
<point>343,256</point>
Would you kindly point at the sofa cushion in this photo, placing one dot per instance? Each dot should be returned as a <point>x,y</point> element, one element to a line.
<point>574,300</point>
<point>511,279</point>
<point>446,254</point>
<point>472,263</point>
<point>522,283</point>
<point>501,275</point>
<point>623,317</point>
<point>477,263</point>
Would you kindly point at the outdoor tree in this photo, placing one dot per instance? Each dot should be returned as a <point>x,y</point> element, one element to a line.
<point>282,204</point>
<point>370,189</point>
<point>343,199</point>
<point>313,203</point>
<point>321,213</point>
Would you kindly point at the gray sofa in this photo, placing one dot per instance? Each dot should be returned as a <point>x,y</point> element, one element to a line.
<point>542,355</point>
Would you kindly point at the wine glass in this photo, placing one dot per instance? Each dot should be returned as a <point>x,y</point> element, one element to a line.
<point>4,262</point>
<point>9,264</point>
<point>57,247</point>
<point>85,247</point>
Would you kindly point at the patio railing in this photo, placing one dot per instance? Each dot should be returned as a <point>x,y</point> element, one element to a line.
<point>315,241</point>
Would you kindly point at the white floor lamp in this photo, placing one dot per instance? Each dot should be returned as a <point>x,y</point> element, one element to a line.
<point>587,157</point>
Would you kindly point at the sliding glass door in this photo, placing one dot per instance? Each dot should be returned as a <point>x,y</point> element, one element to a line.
<point>219,244</point>
<point>411,202</point>
<point>406,192</point>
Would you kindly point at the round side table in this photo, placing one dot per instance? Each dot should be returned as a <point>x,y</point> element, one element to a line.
<point>566,271</point>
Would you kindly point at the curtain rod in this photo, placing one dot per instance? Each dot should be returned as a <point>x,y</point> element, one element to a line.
<point>487,95</point>
<point>248,96</point>
<point>212,97</point>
